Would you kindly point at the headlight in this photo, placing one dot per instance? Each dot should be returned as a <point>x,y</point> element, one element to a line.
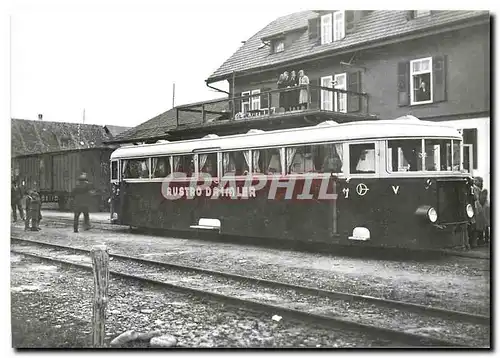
<point>470,210</point>
<point>432,215</point>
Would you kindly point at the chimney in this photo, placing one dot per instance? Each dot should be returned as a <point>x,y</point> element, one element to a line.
<point>40,116</point>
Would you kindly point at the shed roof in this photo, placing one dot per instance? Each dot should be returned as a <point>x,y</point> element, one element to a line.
<point>35,136</point>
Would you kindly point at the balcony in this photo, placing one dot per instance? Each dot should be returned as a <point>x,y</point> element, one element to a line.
<point>323,103</point>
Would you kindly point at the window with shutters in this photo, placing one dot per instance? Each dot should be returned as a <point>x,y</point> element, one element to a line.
<point>245,102</point>
<point>326,29</point>
<point>338,25</point>
<point>341,98</point>
<point>255,100</point>
<point>421,81</point>
<point>278,46</point>
<point>327,96</point>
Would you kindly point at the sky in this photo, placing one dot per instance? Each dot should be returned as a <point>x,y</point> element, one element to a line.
<point>119,65</point>
<point>118,59</point>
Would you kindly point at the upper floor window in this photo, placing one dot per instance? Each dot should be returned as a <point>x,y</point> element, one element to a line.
<point>255,100</point>
<point>332,27</point>
<point>245,102</point>
<point>338,25</point>
<point>278,46</point>
<point>421,13</point>
<point>326,29</point>
<point>421,80</point>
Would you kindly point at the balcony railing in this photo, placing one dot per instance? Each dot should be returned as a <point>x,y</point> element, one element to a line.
<point>277,102</point>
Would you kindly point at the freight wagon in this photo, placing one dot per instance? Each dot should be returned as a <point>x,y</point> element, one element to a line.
<point>55,174</point>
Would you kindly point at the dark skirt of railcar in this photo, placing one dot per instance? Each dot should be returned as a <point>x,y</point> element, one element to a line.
<point>388,208</point>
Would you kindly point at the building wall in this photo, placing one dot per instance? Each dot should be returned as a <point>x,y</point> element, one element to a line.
<point>467,73</point>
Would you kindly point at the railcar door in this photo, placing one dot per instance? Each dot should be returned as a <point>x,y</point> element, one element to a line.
<point>357,213</point>
<point>114,190</point>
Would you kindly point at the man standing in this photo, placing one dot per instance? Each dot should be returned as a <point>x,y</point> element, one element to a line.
<point>16,197</point>
<point>33,210</point>
<point>81,201</point>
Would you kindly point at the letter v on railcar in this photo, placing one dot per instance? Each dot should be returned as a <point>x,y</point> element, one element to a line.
<point>386,183</point>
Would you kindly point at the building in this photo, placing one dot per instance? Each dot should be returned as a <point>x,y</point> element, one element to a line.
<point>51,155</point>
<point>361,65</point>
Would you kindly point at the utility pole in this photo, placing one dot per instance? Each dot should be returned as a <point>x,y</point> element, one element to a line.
<point>173,95</point>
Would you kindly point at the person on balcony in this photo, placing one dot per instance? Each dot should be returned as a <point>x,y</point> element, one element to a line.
<point>303,94</point>
<point>293,96</point>
<point>284,83</point>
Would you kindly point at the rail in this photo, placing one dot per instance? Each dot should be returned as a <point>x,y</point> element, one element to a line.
<point>276,102</point>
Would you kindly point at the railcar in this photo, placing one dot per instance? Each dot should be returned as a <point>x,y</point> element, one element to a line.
<point>55,174</point>
<point>386,183</point>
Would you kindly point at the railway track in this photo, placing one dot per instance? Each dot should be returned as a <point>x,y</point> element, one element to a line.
<point>393,320</point>
<point>101,225</point>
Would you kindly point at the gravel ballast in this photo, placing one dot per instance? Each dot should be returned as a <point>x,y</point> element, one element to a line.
<point>51,308</point>
<point>362,312</point>
<point>455,283</point>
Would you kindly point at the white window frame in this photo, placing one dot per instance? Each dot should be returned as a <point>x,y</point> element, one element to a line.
<point>343,96</point>
<point>279,46</point>
<point>245,101</point>
<point>338,25</point>
<point>347,157</point>
<point>470,149</point>
<point>415,73</point>
<point>326,29</point>
<point>255,101</point>
<point>326,96</point>
<point>117,179</point>
<point>421,13</point>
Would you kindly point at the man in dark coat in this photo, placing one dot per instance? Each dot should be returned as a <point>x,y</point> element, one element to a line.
<point>16,195</point>
<point>33,210</point>
<point>82,195</point>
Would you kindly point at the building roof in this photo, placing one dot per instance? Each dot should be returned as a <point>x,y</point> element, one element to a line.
<point>157,126</point>
<point>376,26</point>
<point>115,130</point>
<point>36,136</point>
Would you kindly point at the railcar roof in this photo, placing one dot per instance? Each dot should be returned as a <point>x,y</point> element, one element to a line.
<point>407,126</point>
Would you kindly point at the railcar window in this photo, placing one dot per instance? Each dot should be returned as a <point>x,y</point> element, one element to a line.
<point>438,154</point>
<point>114,170</point>
<point>362,158</point>
<point>160,167</point>
<point>236,163</point>
<point>184,164</point>
<point>404,155</point>
<point>207,163</point>
<point>136,168</point>
<point>325,158</point>
<point>456,155</point>
<point>266,161</point>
